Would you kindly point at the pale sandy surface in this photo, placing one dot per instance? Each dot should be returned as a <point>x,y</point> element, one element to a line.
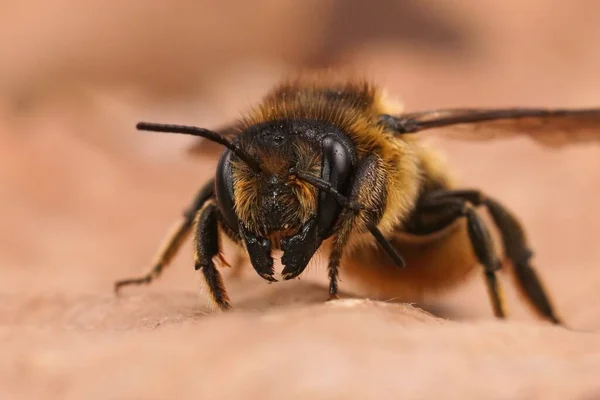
<point>85,200</point>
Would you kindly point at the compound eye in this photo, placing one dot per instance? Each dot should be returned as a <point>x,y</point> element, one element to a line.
<point>337,166</point>
<point>224,191</point>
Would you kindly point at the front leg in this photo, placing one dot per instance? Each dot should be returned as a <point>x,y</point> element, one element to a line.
<point>206,245</point>
<point>368,190</point>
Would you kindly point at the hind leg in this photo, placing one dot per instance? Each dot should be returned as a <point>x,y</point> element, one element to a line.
<point>437,212</point>
<point>173,241</point>
<point>516,248</point>
<point>518,252</point>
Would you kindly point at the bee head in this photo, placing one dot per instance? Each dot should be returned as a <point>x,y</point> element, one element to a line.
<point>275,208</point>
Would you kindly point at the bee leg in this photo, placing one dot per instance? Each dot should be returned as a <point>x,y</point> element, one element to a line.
<point>452,208</point>
<point>339,242</point>
<point>517,251</point>
<point>174,240</point>
<point>368,191</point>
<point>206,245</point>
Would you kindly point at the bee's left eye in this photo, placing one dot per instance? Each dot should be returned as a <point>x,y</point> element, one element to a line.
<point>337,166</point>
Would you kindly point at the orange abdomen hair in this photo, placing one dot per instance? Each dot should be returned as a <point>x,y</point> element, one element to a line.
<point>433,263</point>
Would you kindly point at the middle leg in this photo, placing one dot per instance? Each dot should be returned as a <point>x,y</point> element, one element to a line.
<point>173,241</point>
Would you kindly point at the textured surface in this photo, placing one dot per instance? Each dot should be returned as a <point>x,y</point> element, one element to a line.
<point>85,200</point>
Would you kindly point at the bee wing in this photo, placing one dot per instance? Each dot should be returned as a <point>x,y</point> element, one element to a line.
<point>550,127</point>
<point>203,147</point>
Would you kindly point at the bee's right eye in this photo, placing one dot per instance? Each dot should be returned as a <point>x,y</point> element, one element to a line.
<point>224,191</point>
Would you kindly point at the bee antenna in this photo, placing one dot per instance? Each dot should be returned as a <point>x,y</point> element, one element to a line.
<point>205,133</point>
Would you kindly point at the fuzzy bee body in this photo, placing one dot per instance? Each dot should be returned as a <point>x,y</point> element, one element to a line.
<point>353,109</point>
<point>325,161</point>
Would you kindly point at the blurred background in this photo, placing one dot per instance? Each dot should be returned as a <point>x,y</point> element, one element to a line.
<point>85,199</point>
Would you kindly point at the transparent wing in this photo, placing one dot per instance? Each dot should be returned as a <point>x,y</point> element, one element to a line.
<point>550,127</point>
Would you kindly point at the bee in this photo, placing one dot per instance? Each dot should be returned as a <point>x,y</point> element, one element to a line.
<point>328,162</point>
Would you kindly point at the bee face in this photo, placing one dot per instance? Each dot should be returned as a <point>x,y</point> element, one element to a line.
<point>275,202</point>
<point>274,209</point>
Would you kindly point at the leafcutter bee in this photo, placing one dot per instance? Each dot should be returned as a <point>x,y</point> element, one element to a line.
<point>327,162</point>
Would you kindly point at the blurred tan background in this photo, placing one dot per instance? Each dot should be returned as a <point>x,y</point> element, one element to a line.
<point>86,200</point>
